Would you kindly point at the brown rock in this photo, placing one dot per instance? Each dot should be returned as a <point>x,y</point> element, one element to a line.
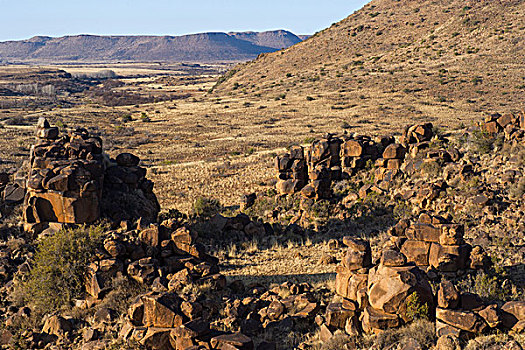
<point>183,238</point>
<point>394,151</point>
<point>351,148</point>
<point>336,316</point>
<point>479,258</point>
<point>389,287</point>
<point>275,310</point>
<point>451,234</point>
<point>416,251</point>
<point>449,258</point>
<point>180,279</point>
<point>325,334</point>
<point>191,310</point>
<point>289,186</point>
<point>423,232</point>
<point>161,310</point>
<point>393,258</point>
<point>359,253</point>
<point>505,120</point>
<point>443,329</point>
<point>491,315</point>
<point>348,283</point>
<point>447,296</point>
<point>157,338</point>
<point>127,160</point>
<point>193,329</point>
<point>512,312</point>
<point>464,320</point>
<point>235,341</point>
<point>143,270</point>
<point>150,236</point>
<point>57,325</point>
<point>394,164</point>
<point>374,319</point>
<point>448,342</point>
<point>491,127</point>
<point>136,312</point>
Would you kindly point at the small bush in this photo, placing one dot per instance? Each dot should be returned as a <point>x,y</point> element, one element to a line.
<point>206,207</point>
<point>415,309</point>
<point>127,118</point>
<point>422,331</point>
<point>144,117</point>
<point>59,268</point>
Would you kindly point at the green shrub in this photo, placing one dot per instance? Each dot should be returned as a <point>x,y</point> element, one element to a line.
<point>206,207</point>
<point>144,117</point>
<point>481,142</point>
<point>415,309</point>
<point>127,118</point>
<point>59,268</point>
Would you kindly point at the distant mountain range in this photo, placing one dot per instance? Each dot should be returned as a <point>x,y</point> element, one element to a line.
<point>203,47</point>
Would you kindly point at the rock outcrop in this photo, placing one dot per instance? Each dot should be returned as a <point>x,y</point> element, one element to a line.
<point>72,181</point>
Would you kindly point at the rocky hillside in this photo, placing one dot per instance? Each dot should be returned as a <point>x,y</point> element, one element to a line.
<point>422,58</point>
<point>196,47</point>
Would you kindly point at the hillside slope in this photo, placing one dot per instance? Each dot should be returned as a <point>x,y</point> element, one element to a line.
<point>195,47</point>
<point>437,58</point>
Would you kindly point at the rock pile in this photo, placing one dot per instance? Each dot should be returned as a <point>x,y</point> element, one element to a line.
<point>376,297</point>
<point>465,315</point>
<point>325,160</point>
<point>334,158</point>
<point>434,243</point>
<point>155,255</point>
<point>324,165</point>
<point>66,176</point>
<point>71,180</point>
<point>292,169</point>
<point>164,260</point>
<point>127,193</point>
<point>512,124</point>
<point>11,192</point>
<point>382,296</point>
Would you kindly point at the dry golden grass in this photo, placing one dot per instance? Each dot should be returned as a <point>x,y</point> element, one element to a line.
<point>208,145</point>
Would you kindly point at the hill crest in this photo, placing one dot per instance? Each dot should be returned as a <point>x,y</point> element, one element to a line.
<point>213,46</point>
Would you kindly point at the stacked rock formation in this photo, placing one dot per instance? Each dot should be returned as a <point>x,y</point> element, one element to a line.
<point>389,164</point>
<point>325,160</point>
<point>66,176</point>
<point>334,158</point>
<point>375,298</point>
<point>466,315</point>
<point>127,193</point>
<point>434,243</point>
<point>324,165</point>
<point>72,181</point>
<point>418,133</point>
<point>292,170</point>
<point>512,124</point>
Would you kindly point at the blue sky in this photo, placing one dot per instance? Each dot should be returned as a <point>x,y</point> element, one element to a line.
<point>22,19</point>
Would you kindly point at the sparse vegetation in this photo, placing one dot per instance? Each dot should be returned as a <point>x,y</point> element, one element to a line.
<point>59,268</point>
<point>206,207</point>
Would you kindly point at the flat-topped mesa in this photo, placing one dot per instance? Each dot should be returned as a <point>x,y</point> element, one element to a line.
<point>71,180</point>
